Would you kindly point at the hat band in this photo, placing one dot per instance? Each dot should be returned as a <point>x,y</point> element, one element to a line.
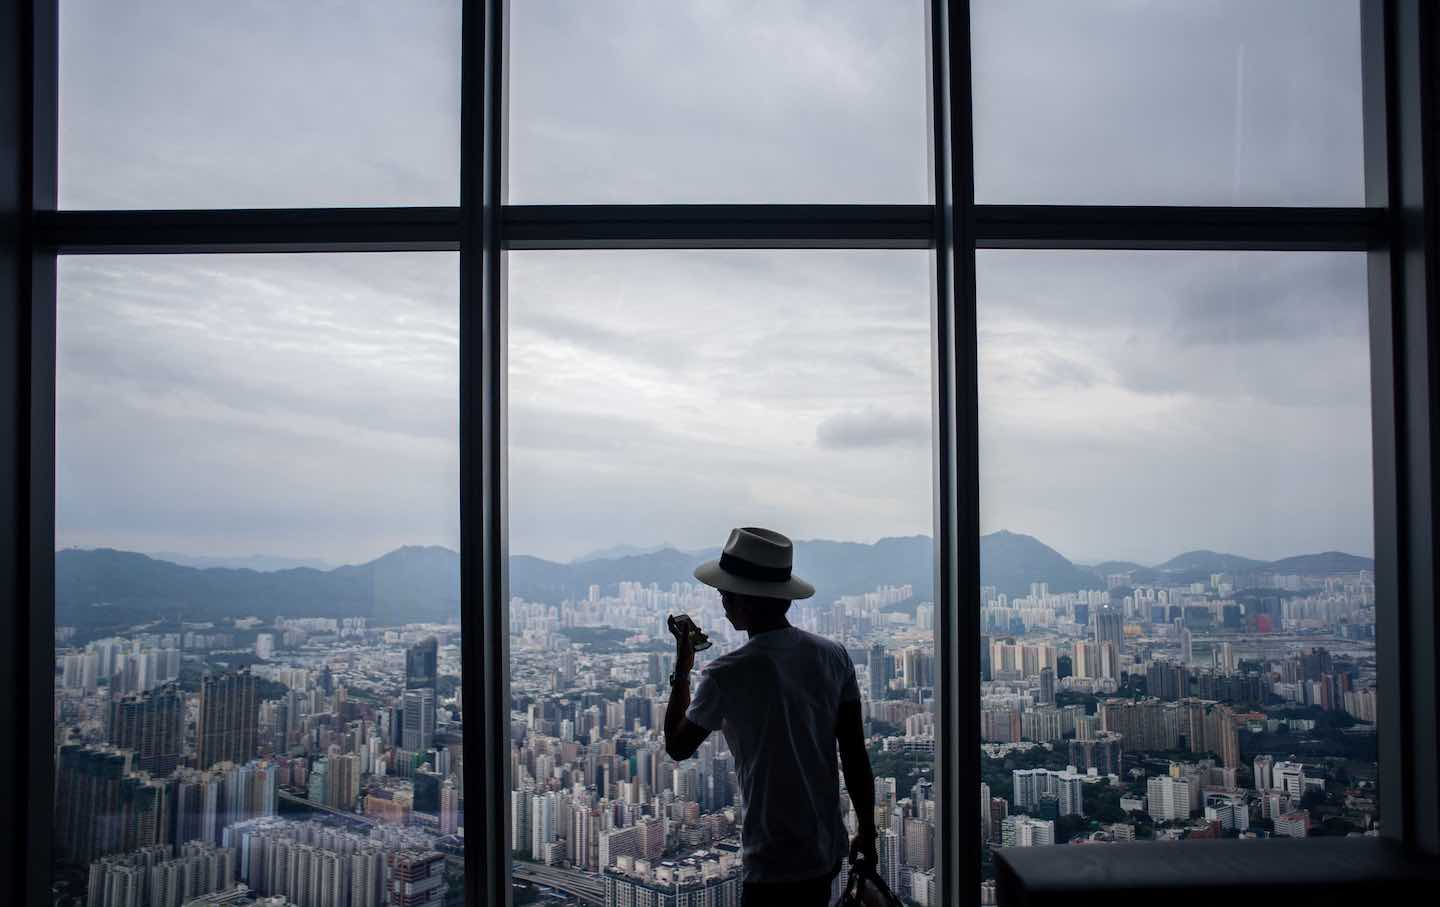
<point>743,568</point>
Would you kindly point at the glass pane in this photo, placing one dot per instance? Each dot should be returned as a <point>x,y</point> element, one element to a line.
<point>658,399</point>
<point>257,641</point>
<point>657,101</point>
<point>1116,102</point>
<point>259,103</point>
<point>1177,584</point>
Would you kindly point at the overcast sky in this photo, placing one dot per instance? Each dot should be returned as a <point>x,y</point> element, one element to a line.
<point>1133,405</point>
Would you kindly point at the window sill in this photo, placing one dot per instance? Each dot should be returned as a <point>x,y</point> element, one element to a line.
<point>1313,871</point>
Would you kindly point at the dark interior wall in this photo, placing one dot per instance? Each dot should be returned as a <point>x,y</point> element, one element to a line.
<point>14,63</point>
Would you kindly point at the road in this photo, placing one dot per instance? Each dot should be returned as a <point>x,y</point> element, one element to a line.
<point>584,886</point>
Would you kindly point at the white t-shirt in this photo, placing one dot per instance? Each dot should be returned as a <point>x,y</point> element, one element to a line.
<point>777,698</point>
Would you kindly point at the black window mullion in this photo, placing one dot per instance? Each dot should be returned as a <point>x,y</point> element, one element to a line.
<point>956,472</point>
<point>37,141</point>
<point>484,607</point>
<point>1401,81</point>
<point>709,227</point>
<point>251,230</point>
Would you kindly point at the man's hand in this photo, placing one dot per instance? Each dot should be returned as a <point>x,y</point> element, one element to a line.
<point>862,846</point>
<point>684,651</point>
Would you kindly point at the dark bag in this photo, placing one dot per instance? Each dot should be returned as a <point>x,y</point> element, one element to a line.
<point>865,888</point>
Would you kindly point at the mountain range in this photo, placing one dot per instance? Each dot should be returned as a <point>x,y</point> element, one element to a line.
<point>104,587</point>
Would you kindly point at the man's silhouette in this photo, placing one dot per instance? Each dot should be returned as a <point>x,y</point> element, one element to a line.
<point>784,700</point>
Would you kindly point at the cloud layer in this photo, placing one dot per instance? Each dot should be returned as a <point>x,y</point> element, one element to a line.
<point>1132,404</point>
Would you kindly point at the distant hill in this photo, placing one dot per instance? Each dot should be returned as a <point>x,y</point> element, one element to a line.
<point>1010,562</point>
<point>263,562</point>
<point>614,551</point>
<point>1328,563</point>
<point>106,588</point>
<point>1209,562</point>
<point>1106,568</point>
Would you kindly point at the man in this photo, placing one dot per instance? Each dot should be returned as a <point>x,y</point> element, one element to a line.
<point>784,700</point>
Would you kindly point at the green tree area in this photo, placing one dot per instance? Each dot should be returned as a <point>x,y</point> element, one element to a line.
<point>996,772</point>
<point>880,728</point>
<point>905,768</point>
<point>446,685</point>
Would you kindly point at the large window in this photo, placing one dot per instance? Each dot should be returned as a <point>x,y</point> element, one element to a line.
<point>1112,102</point>
<point>259,103</point>
<point>360,339</point>
<point>763,101</point>
<point>1177,583</point>
<point>658,399</point>
<point>257,640</point>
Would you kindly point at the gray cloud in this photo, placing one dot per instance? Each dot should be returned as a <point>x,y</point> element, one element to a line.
<point>1210,102</point>
<point>873,428</point>
<point>259,103</point>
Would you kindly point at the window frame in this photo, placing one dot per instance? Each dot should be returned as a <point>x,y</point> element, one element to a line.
<point>1397,227</point>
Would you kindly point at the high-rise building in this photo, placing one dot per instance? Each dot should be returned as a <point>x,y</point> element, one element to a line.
<point>229,715</point>
<point>1290,778</point>
<point>984,812</point>
<point>1024,831</point>
<point>449,807</point>
<point>878,678</point>
<point>1103,751</point>
<point>1168,799</point>
<point>1109,627</point>
<point>100,808</point>
<point>416,878</point>
<point>418,719</point>
<point>1264,773</point>
<point>422,664</point>
<point>1047,687</point>
<point>703,878</point>
<point>1031,786</point>
<point>919,843</point>
<point>342,785</point>
<point>152,725</point>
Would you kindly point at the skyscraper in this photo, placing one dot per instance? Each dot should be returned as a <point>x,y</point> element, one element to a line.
<point>1110,627</point>
<point>418,717</point>
<point>1264,772</point>
<point>878,679</point>
<point>421,670</point>
<point>152,725</point>
<point>421,664</point>
<point>449,807</point>
<point>229,714</point>
<point>1047,687</point>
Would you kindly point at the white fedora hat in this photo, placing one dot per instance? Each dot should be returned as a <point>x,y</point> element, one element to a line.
<point>755,562</point>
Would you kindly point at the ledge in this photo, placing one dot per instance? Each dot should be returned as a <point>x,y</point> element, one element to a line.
<point>1314,871</point>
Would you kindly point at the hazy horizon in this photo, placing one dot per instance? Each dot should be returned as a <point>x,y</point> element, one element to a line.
<point>322,564</point>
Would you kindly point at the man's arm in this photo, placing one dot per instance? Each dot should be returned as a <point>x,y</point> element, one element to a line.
<point>682,736</point>
<point>859,778</point>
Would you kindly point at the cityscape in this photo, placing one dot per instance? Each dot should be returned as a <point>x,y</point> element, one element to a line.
<point>211,750</point>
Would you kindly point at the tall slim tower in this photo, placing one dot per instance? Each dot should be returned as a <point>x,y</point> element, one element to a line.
<point>421,670</point>
<point>878,680</point>
<point>229,715</point>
